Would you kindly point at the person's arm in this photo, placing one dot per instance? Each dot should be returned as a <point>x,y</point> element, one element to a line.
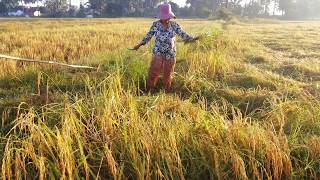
<point>147,38</point>
<point>185,36</point>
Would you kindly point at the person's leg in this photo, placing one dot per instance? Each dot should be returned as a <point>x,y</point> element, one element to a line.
<point>168,70</point>
<point>154,72</point>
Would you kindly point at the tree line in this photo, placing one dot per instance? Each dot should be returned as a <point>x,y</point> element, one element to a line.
<point>294,9</point>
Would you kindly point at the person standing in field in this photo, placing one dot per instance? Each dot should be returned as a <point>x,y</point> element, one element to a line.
<point>164,50</point>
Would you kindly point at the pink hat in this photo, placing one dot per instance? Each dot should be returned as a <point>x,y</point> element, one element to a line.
<point>166,12</point>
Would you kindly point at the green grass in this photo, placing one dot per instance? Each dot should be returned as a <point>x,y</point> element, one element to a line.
<point>245,102</point>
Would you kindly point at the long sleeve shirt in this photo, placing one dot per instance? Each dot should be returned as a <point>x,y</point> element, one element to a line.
<point>165,38</point>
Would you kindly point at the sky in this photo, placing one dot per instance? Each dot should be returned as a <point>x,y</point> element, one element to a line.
<point>179,2</point>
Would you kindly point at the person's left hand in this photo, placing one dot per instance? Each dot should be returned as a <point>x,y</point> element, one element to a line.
<point>136,47</point>
<point>193,39</point>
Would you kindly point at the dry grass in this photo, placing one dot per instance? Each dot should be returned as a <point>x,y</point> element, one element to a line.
<point>242,107</point>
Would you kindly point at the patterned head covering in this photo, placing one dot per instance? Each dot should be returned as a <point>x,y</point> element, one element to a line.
<point>165,12</point>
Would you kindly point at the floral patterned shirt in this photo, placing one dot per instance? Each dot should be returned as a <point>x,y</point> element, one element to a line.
<point>165,38</point>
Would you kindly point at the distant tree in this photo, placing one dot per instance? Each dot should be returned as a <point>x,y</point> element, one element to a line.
<point>3,8</point>
<point>113,10</point>
<point>9,4</point>
<point>174,6</point>
<point>235,2</point>
<point>30,1</point>
<point>72,11</point>
<point>286,6</point>
<point>56,8</point>
<point>97,6</point>
<point>265,4</point>
<point>235,6</point>
<point>215,5</point>
<point>275,6</point>
<point>196,8</point>
<point>151,3</point>
<point>202,8</point>
<point>82,11</point>
<point>253,9</point>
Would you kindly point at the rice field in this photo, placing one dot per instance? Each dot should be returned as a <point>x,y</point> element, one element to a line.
<point>245,102</point>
